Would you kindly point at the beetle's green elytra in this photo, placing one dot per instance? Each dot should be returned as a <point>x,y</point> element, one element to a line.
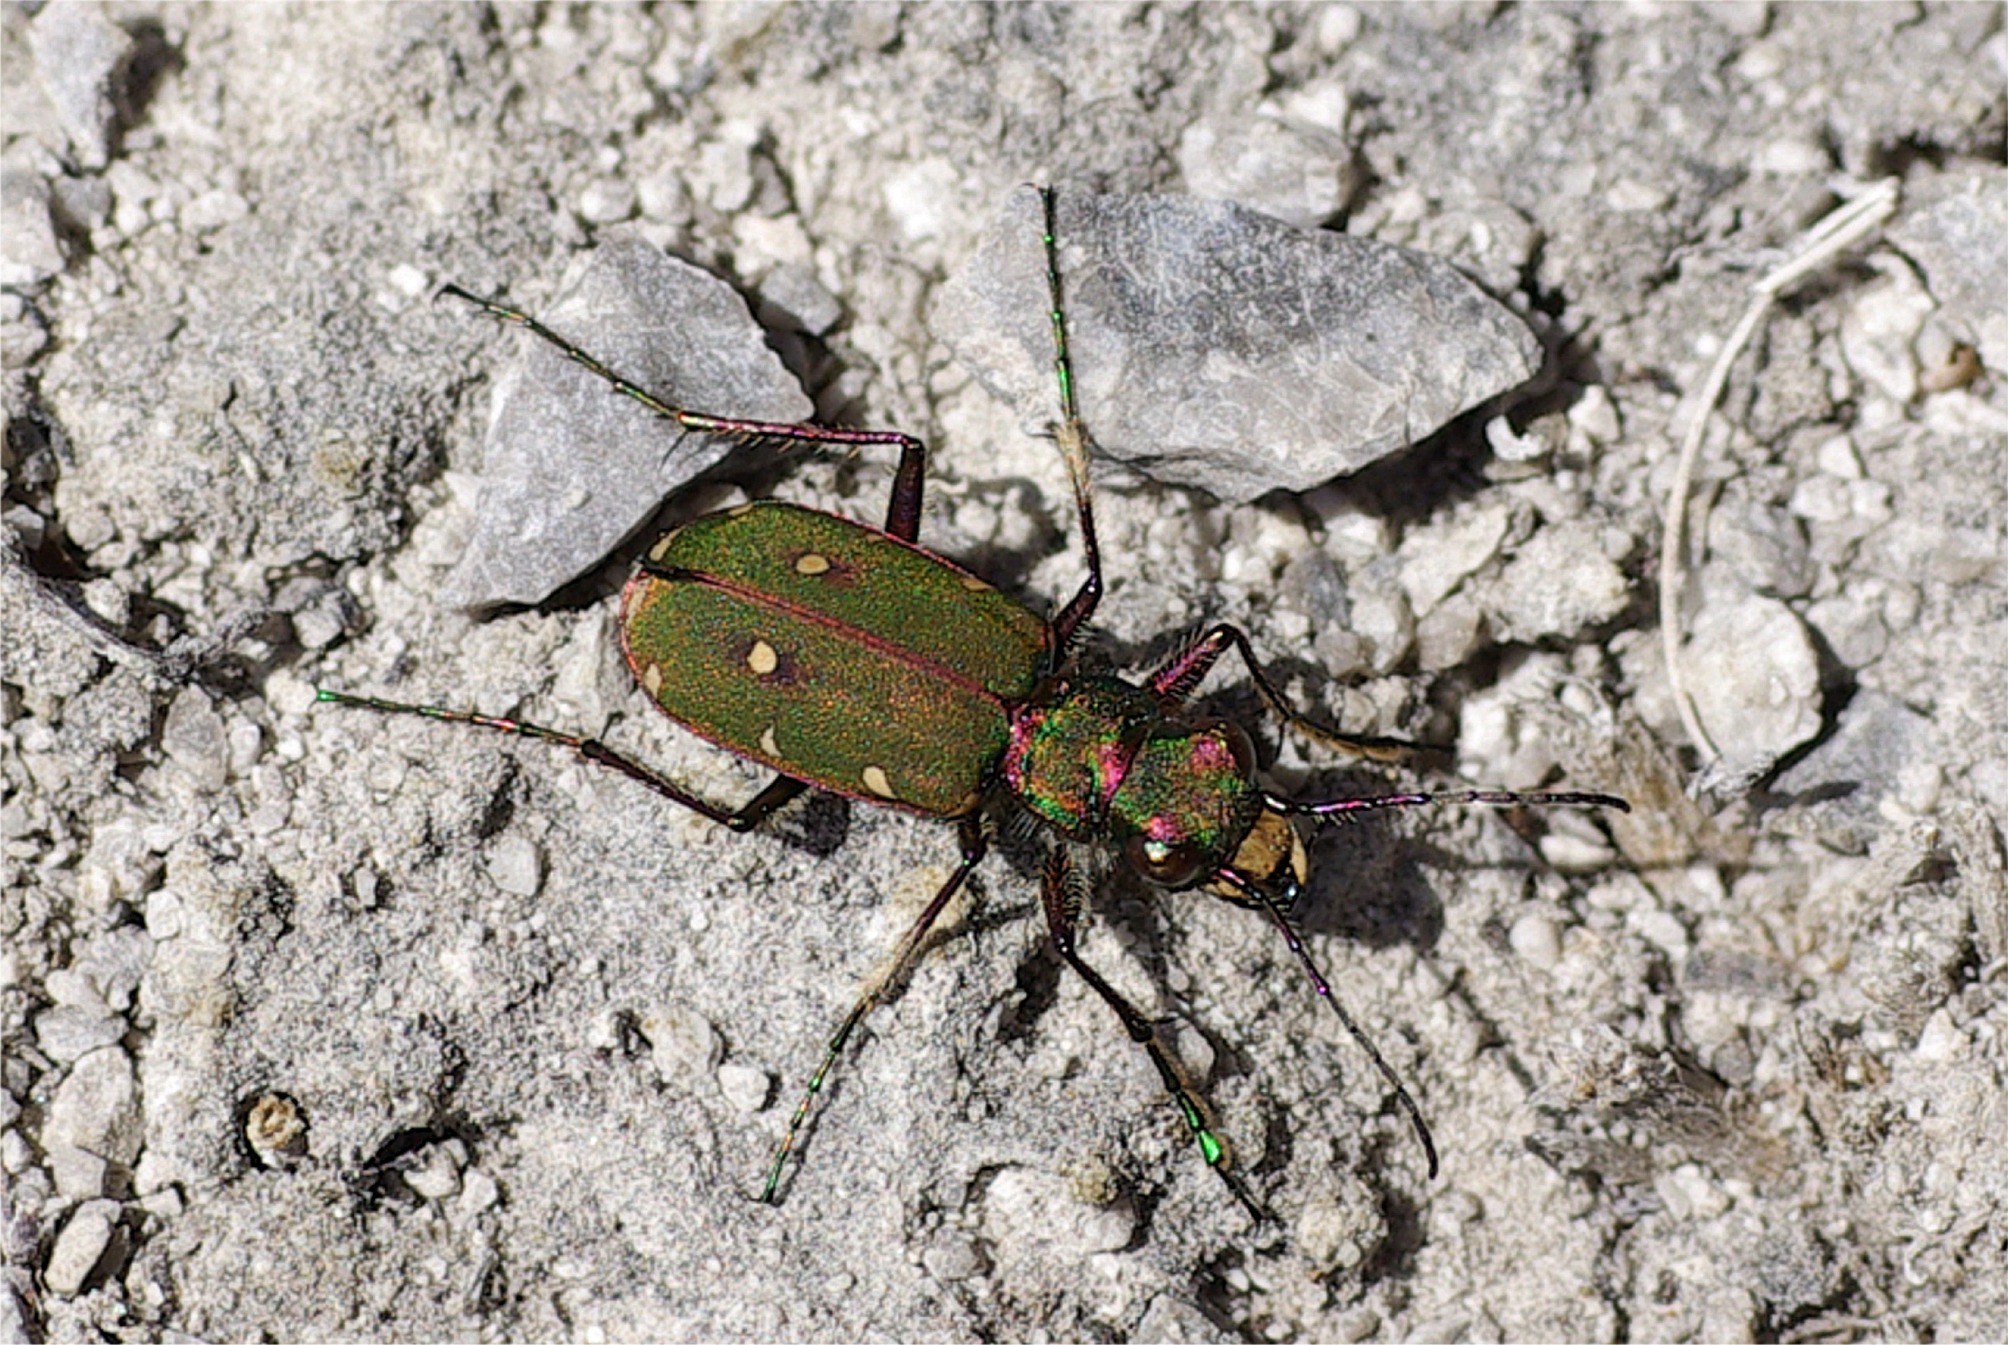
<point>786,629</point>
<point>847,658</point>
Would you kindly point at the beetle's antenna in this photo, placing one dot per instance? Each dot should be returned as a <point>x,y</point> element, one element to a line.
<point>1341,808</point>
<point>1492,798</point>
<point>1260,897</point>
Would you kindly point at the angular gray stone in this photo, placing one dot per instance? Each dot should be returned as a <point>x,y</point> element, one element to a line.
<point>192,735</point>
<point>1558,582</point>
<point>96,1107</point>
<point>78,49</point>
<point>1299,173</point>
<point>107,972</point>
<point>1956,229</point>
<point>1846,778</point>
<point>1755,681</point>
<point>69,1032</point>
<point>29,252</point>
<point>79,1173</point>
<point>1220,348</point>
<point>570,469</point>
<point>80,1247</point>
<point>1031,1205</point>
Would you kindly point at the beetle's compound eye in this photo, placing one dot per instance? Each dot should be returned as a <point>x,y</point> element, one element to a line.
<point>1166,863</point>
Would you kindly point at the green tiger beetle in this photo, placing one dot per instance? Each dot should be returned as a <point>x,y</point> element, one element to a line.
<point>848,658</point>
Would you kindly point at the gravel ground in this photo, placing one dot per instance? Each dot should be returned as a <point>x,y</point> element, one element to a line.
<point>324,1024</point>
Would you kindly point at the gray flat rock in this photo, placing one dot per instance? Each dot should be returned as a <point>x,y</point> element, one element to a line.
<point>1755,681</point>
<point>570,468</point>
<point>78,49</point>
<point>1219,348</point>
<point>1956,230</point>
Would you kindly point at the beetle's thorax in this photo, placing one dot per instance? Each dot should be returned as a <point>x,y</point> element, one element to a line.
<point>1070,748</point>
<point>1097,758</point>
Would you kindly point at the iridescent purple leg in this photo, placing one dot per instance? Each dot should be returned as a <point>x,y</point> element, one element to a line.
<point>1183,672</point>
<point>903,515</point>
<point>974,847</point>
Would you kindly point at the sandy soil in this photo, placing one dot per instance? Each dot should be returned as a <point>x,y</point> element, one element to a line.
<point>321,1024</point>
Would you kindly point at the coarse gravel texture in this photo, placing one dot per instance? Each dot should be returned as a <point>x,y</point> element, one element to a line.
<point>323,1024</point>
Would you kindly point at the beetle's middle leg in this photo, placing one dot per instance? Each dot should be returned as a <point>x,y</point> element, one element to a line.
<point>974,846</point>
<point>1072,435</point>
<point>1061,896</point>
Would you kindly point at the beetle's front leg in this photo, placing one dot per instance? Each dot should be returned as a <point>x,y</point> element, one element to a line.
<point>1181,675</point>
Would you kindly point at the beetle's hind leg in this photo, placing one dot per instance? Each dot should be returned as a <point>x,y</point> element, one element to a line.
<point>778,792</point>
<point>974,846</point>
<point>1061,897</point>
<point>902,516</point>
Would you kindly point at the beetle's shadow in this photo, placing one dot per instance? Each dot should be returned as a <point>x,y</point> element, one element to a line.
<point>1009,568</point>
<point>818,825</point>
<point>1368,885</point>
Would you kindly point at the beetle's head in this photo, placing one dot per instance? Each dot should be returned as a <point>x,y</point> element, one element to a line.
<point>1188,811</point>
<point>1268,867</point>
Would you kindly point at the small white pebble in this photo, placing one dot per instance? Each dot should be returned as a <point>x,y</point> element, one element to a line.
<point>212,210</point>
<point>438,1179</point>
<point>1575,854</point>
<point>1630,196</point>
<point>408,280</point>
<point>1837,457</point>
<point>1510,446</point>
<point>288,693</point>
<point>1942,1040</point>
<point>1918,787</point>
<point>1662,929</point>
<point>1596,415</point>
<point>607,201</point>
<point>1791,157</point>
<point>477,1192</point>
<point>744,1087</point>
<point>681,1042</point>
<point>515,865</point>
<point>1535,938</point>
